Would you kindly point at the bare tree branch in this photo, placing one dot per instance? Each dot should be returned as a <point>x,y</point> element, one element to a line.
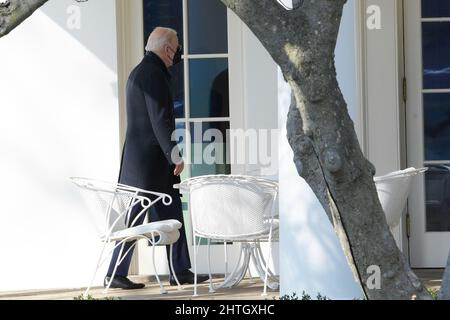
<point>14,12</point>
<point>444,293</point>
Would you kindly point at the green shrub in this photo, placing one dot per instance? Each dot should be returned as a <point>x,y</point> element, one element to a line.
<point>89,297</point>
<point>305,297</point>
<point>434,293</point>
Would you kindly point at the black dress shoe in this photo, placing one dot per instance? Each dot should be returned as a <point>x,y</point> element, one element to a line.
<point>187,277</point>
<point>122,283</point>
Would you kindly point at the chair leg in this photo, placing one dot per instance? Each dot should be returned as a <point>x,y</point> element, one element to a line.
<point>119,258</point>
<point>225,249</point>
<point>259,255</point>
<point>171,268</point>
<point>195,265</point>
<point>162,290</point>
<point>242,271</point>
<point>86,292</point>
<point>250,274</point>
<point>267,263</point>
<point>211,289</point>
<point>239,269</point>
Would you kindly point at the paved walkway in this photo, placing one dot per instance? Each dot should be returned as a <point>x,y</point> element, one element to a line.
<point>247,290</point>
<point>432,278</point>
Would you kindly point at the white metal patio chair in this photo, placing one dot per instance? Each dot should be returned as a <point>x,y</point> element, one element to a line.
<point>393,191</point>
<point>234,208</point>
<point>117,201</point>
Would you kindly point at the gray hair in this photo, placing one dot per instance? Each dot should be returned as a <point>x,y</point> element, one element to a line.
<point>159,38</point>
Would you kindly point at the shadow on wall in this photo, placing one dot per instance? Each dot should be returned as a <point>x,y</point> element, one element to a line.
<point>86,23</point>
<point>59,118</point>
<point>313,260</point>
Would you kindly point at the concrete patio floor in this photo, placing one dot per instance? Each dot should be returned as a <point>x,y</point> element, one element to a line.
<point>248,289</point>
<point>432,278</point>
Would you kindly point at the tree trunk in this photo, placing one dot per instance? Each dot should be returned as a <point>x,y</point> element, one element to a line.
<point>444,294</point>
<point>14,12</point>
<point>326,150</point>
<point>320,131</point>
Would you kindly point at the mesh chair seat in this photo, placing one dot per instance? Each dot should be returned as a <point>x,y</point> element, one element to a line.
<point>262,235</point>
<point>167,232</point>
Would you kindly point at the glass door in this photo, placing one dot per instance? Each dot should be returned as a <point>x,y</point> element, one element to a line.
<point>427,51</point>
<point>200,88</point>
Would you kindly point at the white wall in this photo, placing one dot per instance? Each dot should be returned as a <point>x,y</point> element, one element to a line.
<point>260,98</point>
<point>311,256</point>
<point>261,113</point>
<point>59,118</point>
<point>383,105</point>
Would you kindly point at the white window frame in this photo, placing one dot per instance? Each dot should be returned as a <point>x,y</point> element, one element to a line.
<point>187,119</point>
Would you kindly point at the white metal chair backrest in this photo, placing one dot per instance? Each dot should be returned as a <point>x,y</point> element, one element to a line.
<point>117,200</point>
<point>393,191</point>
<point>230,206</point>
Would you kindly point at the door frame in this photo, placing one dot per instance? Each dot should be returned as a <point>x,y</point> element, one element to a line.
<point>130,43</point>
<point>130,48</point>
<point>422,243</point>
<point>381,119</point>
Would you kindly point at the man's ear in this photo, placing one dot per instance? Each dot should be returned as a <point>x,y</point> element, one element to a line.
<point>167,50</point>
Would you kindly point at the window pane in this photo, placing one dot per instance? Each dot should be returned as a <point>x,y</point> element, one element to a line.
<point>180,135</point>
<point>209,90</point>
<point>177,72</point>
<point>209,152</point>
<point>437,126</point>
<point>438,198</point>
<point>163,13</point>
<point>436,55</point>
<point>207,27</point>
<point>435,8</point>
<point>168,14</point>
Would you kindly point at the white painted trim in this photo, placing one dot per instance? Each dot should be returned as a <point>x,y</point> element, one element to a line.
<point>402,143</point>
<point>222,119</point>
<point>371,86</point>
<point>428,249</point>
<point>446,19</point>
<point>361,123</point>
<point>130,48</point>
<point>399,87</point>
<point>436,90</point>
<point>414,116</point>
<point>187,96</point>
<point>206,56</point>
<point>236,79</point>
<point>436,162</point>
<point>398,232</point>
<point>121,67</point>
<point>404,242</point>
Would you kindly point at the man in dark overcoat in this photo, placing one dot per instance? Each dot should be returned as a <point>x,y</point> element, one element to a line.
<point>151,159</point>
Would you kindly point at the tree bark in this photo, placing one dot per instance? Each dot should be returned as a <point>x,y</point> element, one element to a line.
<point>444,293</point>
<point>326,150</point>
<point>14,12</point>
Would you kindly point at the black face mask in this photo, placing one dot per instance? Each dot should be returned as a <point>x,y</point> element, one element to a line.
<point>177,56</point>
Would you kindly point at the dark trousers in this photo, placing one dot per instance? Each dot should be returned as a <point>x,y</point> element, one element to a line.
<point>158,211</point>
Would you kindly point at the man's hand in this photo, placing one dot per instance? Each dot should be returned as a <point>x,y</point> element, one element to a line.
<point>178,168</point>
